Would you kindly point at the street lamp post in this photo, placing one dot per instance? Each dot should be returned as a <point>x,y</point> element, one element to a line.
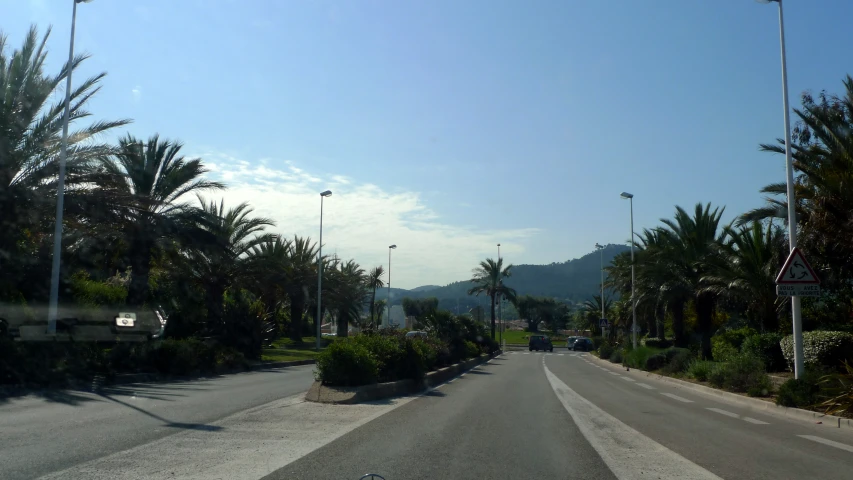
<point>630,198</point>
<point>390,247</point>
<point>796,311</point>
<point>500,303</point>
<point>53,305</point>
<point>327,193</point>
<point>600,249</point>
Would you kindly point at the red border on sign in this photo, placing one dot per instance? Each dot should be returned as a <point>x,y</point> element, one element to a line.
<point>794,253</point>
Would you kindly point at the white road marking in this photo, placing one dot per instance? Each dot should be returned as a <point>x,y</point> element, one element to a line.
<point>645,386</point>
<point>724,412</point>
<point>628,453</point>
<point>827,442</point>
<point>614,373</point>
<point>755,421</point>
<point>560,354</point>
<point>629,379</point>
<point>676,397</point>
<point>526,353</point>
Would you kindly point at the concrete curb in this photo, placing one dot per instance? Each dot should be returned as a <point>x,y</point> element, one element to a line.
<point>350,395</point>
<point>750,403</point>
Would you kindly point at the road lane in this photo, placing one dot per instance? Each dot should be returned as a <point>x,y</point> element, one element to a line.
<point>59,429</point>
<point>726,439</point>
<point>500,421</point>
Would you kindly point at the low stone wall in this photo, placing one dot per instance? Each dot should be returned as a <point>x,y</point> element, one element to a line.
<point>366,393</point>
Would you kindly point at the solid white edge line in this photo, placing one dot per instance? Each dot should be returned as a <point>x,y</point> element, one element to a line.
<point>825,441</point>
<point>628,453</point>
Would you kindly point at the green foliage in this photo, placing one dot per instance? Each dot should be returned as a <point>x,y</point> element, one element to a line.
<point>347,363</point>
<point>678,360</point>
<point>726,345</point>
<point>655,362</point>
<point>701,369</point>
<point>830,349</point>
<point>657,342</point>
<point>616,356</point>
<point>91,293</point>
<point>605,350</point>
<point>471,349</point>
<point>766,347</point>
<point>802,392</point>
<point>597,341</point>
<point>742,373</point>
<point>637,357</point>
<point>839,390</point>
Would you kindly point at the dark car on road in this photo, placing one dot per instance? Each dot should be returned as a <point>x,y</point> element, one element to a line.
<point>571,341</point>
<point>582,344</point>
<point>540,342</point>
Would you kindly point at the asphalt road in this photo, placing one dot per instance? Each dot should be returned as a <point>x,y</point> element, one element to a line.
<point>536,415</point>
<point>56,430</point>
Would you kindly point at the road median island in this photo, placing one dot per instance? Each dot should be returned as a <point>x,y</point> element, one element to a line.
<point>351,395</point>
<point>751,403</point>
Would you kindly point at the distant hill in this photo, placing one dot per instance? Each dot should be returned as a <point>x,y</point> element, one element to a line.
<point>425,288</point>
<point>572,281</point>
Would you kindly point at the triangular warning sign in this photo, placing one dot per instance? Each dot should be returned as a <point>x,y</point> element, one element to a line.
<point>797,271</point>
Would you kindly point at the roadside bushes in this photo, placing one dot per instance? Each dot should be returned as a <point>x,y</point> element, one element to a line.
<point>701,369</point>
<point>616,356</point>
<point>802,392</point>
<point>655,342</point>
<point>766,347</point>
<point>678,360</point>
<point>389,356</point>
<point>347,363</point>
<point>831,349</point>
<point>742,373</point>
<point>727,344</point>
<point>605,350</point>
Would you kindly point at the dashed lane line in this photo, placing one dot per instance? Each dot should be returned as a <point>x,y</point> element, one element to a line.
<point>676,397</point>
<point>825,441</point>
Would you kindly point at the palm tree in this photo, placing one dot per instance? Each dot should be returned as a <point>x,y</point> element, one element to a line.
<point>31,129</point>
<point>218,265</point>
<point>374,281</point>
<point>380,308</point>
<point>591,310</point>
<point>488,279</point>
<point>301,275</point>
<point>692,246</point>
<point>752,257</point>
<point>526,307</point>
<point>347,296</point>
<point>822,150</point>
<point>140,197</point>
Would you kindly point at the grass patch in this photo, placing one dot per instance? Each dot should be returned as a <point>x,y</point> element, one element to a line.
<point>285,350</point>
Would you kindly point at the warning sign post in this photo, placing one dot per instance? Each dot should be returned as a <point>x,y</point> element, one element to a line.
<point>797,278</point>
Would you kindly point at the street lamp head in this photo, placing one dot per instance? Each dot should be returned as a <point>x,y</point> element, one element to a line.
<point>82,1</point>
<point>392,246</point>
<point>626,195</point>
<point>767,1</point>
<point>599,246</point>
<point>327,193</point>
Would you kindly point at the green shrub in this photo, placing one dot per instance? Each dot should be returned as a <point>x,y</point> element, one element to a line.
<point>742,373</point>
<point>678,359</point>
<point>347,363</point>
<point>616,356</point>
<point>726,345</point>
<point>802,392</point>
<point>766,347</point>
<point>722,351</point>
<point>829,349</point>
<point>91,293</point>
<point>605,350</point>
<point>655,342</point>
<point>471,349</point>
<point>701,369</point>
<point>597,342</point>
<point>636,358</point>
<point>655,362</point>
<point>389,353</point>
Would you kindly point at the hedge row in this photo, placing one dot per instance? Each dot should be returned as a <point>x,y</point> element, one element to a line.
<point>830,349</point>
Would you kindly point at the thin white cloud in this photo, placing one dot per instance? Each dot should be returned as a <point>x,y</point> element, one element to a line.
<point>136,93</point>
<point>361,220</point>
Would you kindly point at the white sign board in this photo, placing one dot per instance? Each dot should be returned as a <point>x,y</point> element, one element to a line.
<point>798,290</point>
<point>797,278</point>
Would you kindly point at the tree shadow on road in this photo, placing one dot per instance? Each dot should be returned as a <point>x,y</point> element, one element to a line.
<point>166,422</point>
<point>65,396</point>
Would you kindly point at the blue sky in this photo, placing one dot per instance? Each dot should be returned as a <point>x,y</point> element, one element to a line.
<point>449,126</point>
